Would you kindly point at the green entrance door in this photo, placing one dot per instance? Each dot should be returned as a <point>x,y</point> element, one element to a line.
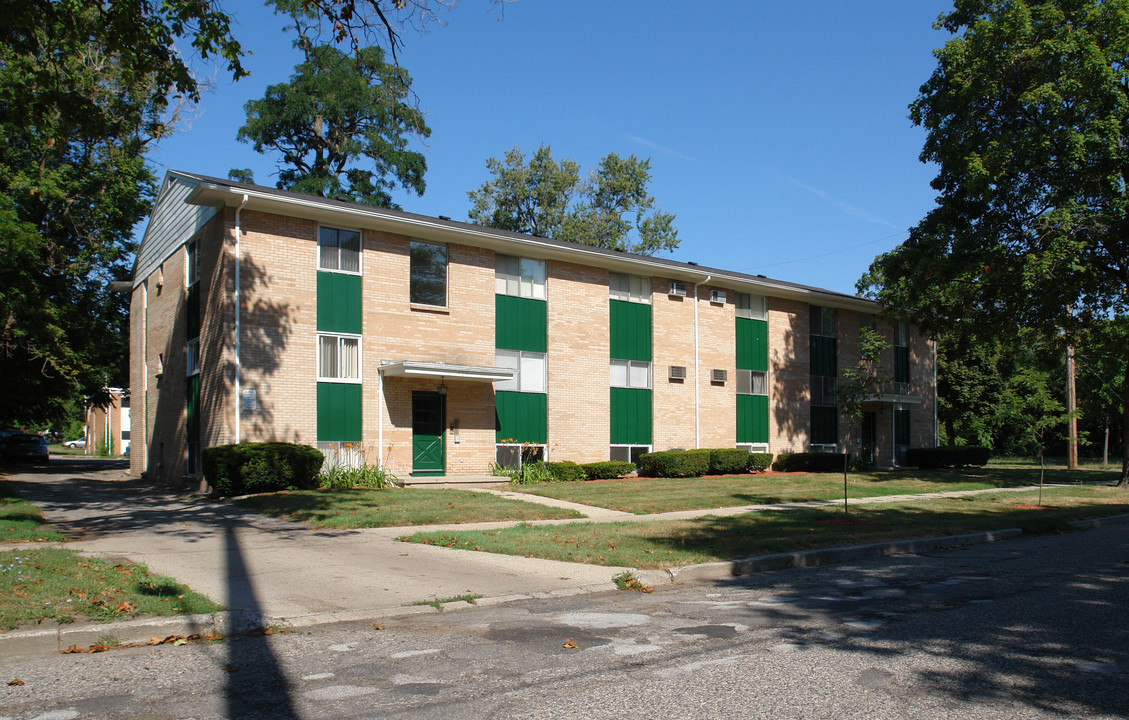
<point>429,454</point>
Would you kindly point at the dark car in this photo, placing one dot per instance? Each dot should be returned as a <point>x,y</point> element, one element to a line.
<point>31,448</point>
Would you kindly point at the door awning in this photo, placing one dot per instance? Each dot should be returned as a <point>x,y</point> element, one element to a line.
<point>448,371</point>
<point>891,399</point>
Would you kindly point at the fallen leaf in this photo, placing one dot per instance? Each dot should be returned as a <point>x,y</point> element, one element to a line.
<point>180,641</point>
<point>378,627</point>
<point>15,681</point>
<point>568,643</point>
<point>74,649</point>
<point>229,668</point>
<point>155,640</point>
<point>99,647</point>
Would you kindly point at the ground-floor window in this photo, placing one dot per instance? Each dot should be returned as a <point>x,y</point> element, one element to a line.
<point>342,454</point>
<point>629,453</point>
<point>514,455</point>
<point>753,447</point>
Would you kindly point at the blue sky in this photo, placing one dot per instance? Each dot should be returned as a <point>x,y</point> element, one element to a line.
<point>778,132</point>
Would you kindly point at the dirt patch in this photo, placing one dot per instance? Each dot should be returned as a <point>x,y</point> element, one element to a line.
<point>1038,507</point>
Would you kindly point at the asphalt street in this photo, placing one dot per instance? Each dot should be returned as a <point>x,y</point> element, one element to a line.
<point>1028,628</point>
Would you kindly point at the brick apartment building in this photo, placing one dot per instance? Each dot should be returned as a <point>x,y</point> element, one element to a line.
<point>438,347</point>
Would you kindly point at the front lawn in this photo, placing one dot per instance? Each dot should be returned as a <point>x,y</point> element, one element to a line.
<point>396,507</point>
<point>662,544</point>
<point>646,496</point>
<point>20,521</point>
<point>39,584</point>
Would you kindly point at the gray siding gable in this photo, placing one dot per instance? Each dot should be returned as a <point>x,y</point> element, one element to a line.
<point>172,223</point>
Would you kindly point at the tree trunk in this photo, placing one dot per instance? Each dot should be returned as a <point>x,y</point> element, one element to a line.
<point>1124,481</point>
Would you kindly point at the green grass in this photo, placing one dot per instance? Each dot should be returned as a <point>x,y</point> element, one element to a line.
<point>645,496</point>
<point>20,521</point>
<point>362,508</point>
<point>662,544</point>
<point>60,450</point>
<point>437,603</point>
<point>38,584</point>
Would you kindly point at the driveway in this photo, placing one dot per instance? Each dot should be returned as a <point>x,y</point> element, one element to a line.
<point>268,567</point>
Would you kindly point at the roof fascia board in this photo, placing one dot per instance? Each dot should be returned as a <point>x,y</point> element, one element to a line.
<point>209,193</point>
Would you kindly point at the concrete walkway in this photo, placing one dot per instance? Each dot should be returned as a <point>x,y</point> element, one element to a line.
<point>284,571</point>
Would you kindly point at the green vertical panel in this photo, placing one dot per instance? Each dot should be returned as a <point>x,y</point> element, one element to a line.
<point>824,425</point>
<point>339,303</point>
<point>824,359</point>
<point>752,419</point>
<point>630,416</point>
<point>752,344</point>
<point>901,364</point>
<point>339,412</point>
<point>630,330</point>
<point>521,417</point>
<point>192,312</point>
<point>192,403</point>
<point>520,324</point>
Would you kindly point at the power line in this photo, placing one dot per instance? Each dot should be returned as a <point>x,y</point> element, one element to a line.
<point>820,255</point>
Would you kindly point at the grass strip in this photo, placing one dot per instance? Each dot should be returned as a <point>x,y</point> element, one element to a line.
<point>20,521</point>
<point>646,496</point>
<point>38,584</point>
<point>363,508</point>
<point>663,544</point>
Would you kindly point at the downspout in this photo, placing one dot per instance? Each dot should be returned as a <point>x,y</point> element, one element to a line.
<point>380,418</point>
<point>238,317</point>
<point>697,380</point>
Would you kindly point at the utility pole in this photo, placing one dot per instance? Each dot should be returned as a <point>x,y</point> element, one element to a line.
<point>1071,407</point>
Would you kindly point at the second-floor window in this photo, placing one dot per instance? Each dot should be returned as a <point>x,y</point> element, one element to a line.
<point>428,281</point>
<point>630,374</point>
<point>752,382</point>
<point>192,264</point>
<point>631,288</point>
<point>339,358</point>
<point>339,250</point>
<point>530,371</point>
<point>519,277</point>
<point>753,307</point>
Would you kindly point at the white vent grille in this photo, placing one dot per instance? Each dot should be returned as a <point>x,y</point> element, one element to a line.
<point>718,376</point>
<point>677,372</point>
<point>717,296</point>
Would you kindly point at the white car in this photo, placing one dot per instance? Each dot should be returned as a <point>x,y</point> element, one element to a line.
<point>75,443</point>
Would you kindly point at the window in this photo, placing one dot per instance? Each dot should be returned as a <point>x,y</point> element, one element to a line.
<point>530,367</point>
<point>753,447</point>
<point>823,390</point>
<point>752,382</point>
<point>339,358</point>
<point>428,274</point>
<point>630,374</point>
<point>514,455</point>
<point>520,277</point>
<point>823,321</point>
<point>901,335</point>
<point>628,453</point>
<point>901,359</point>
<point>753,307</point>
<point>193,357</point>
<point>191,263</point>
<point>344,455</point>
<point>630,288</point>
<point>339,250</point>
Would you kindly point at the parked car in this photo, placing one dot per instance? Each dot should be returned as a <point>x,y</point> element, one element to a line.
<point>75,443</point>
<point>31,448</point>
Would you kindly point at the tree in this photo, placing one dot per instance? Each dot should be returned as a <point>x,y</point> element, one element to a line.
<point>1027,115</point>
<point>611,208</point>
<point>335,110</point>
<point>861,383</point>
<point>1034,411</point>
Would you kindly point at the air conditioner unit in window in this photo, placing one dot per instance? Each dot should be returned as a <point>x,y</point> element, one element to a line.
<point>717,296</point>
<point>677,372</point>
<point>677,289</point>
<point>718,376</point>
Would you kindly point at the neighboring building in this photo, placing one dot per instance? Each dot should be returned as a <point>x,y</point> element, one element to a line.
<point>439,347</point>
<point>108,427</point>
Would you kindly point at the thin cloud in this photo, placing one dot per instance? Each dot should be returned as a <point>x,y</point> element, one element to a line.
<point>659,148</point>
<point>846,207</point>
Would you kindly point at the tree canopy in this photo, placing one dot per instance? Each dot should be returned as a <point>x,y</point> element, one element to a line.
<point>1027,115</point>
<point>336,110</point>
<point>611,207</point>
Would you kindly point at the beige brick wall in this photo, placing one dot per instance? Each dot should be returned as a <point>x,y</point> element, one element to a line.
<point>717,347</point>
<point>789,380</point>
<point>673,342</point>
<point>579,355</point>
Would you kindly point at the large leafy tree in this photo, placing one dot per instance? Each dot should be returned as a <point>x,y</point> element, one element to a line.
<point>341,126</point>
<point>1027,117</point>
<point>612,207</point>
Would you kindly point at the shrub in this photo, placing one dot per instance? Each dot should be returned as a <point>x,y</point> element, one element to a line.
<point>261,467</point>
<point>945,457</point>
<point>532,473</point>
<point>566,471</point>
<point>727,461</point>
<point>808,462</point>
<point>759,462</point>
<point>675,463</point>
<point>346,478</point>
<point>607,470</point>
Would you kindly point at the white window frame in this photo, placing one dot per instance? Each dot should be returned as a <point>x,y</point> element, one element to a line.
<point>508,270</point>
<point>753,307</point>
<point>191,262</point>
<point>341,454</point>
<point>644,448</point>
<point>753,447</point>
<point>360,250</point>
<point>522,448</point>
<point>628,366</point>
<point>745,380</point>
<point>629,288</point>
<point>340,357</point>
<point>519,356</point>
<point>192,357</point>
<point>446,277</point>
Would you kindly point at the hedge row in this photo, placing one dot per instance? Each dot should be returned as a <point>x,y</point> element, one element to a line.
<point>944,457</point>
<point>695,463</point>
<point>809,462</point>
<point>261,467</point>
<point>568,471</point>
